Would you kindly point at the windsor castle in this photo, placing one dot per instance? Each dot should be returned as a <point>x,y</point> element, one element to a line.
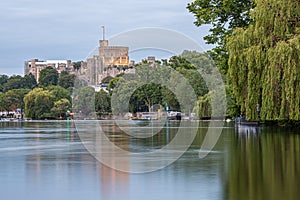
<point>107,61</point>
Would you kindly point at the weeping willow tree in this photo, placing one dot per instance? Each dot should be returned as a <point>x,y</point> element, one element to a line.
<point>264,67</point>
<point>203,106</point>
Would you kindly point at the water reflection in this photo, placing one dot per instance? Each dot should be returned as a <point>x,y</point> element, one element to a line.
<point>46,160</point>
<point>264,164</point>
<point>114,184</point>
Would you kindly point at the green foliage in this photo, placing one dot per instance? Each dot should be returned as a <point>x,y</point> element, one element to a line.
<point>3,102</point>
<point>223,16</point>
<point>202,66</point>
<point>59,92</point>
<point>15,98</point>
<point>12,99</point>
<point>142,89</point>
<point>221,13</point>
<point>17,82</point>
<point>48,76</point>
<point>60,108</point>
<point>233,109</point>
<point>207,106</point>
<point>66,80</point>
<point>77,65</point>
<point>38,103</point>
<point>203,107</point>
<point>147,95</point>
<point>14,82</point>
<point>264,62</point>
<point>170,98</point>
<point>190,64</point>
<point>195,80</point>
<point>30,81</point>
<point>84,101</point>
<point>176,72</point>
<point>177,62</point>
<point>121,94</point>
<point>50,103</point>
<point>102,103</point>
<point>112,83</point>
<point>107,79</point>
<point>3,80</point>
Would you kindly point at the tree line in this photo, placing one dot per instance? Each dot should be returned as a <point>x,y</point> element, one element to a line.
<point>257,50</point>
<point>143,90</point>
<point>50,98</point>
<point>53,95</point>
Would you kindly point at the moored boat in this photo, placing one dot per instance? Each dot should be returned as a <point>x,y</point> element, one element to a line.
<point>243,121</point>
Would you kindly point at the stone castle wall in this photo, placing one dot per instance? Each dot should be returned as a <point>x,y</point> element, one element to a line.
<point>110,61</point>
<point>35,66</point>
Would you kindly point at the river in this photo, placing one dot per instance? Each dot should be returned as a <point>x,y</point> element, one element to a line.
<point>50,160</point>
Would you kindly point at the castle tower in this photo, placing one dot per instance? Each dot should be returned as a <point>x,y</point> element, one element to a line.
<point>103,43</point>
<point>110,61</point>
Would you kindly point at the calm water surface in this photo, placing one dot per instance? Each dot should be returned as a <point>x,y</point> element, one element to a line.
<point>46,160</point>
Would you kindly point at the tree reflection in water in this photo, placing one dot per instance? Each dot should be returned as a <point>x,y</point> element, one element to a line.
<point>264,164</point>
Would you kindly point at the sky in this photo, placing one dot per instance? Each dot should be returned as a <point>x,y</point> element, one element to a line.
<point>70,29</point>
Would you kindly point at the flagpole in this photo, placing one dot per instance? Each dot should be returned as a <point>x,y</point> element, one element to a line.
<point>103,33</point>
